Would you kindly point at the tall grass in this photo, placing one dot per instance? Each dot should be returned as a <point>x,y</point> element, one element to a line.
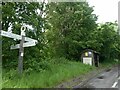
<point>58,73</point>
<point>0,79</point>
<point>109,63</point>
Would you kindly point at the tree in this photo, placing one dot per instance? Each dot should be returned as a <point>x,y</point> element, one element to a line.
<point>108,37</point>
<point>14,14</point>
<point>71,26</point>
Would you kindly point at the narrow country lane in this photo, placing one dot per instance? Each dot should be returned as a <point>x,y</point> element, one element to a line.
<point>106,79</point>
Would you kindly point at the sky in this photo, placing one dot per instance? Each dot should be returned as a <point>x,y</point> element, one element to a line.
<point>106,10</point>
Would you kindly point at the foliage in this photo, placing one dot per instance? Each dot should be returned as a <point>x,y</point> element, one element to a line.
<point>109,39</point>
<point>14,14</point>
<point>65,30</point>
<point>70,27</point>
<point>73,28</point>
<point>62,33</point>
<point>47,78</point>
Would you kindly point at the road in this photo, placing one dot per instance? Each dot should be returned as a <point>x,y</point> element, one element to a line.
<point>106,79</point>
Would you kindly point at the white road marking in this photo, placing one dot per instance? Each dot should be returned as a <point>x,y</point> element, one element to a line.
<point>114,85</point>
<point>118,78</point>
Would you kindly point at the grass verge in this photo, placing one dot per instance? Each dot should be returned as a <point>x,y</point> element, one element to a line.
<point>109,63</point>
<point>59,71</point>
<point>47,78</point>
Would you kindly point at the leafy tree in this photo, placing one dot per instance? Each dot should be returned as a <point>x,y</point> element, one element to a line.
<point>14,14</point>
<point>108,37</point>
<point>71,26</point>
<point>65,30</point>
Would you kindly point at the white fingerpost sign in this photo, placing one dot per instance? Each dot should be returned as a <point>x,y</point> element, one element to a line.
<point>29,42</point>
<point>25,42</point>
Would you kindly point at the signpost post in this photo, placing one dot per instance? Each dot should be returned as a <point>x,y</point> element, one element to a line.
<point>21,51</point>
<point>21,54</point>
<point>25,42</point>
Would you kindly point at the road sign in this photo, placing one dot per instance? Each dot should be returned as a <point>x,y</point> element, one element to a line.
<point>25,42</point>
<point>15,36</point>
<point>29,42</point>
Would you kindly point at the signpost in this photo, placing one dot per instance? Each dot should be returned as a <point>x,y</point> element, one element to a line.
<point>29,42</point>
<point>25,42</point>
<point>21,51</point>
<point>21,54</point>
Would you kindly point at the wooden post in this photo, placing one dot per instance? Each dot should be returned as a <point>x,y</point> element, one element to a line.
<point>21,54</point>
<point>21,51</point>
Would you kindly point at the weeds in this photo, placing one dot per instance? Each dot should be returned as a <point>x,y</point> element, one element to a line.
<point>57,73</point>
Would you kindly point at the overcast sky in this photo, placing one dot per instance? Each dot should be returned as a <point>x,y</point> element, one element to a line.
<point>107,10</point>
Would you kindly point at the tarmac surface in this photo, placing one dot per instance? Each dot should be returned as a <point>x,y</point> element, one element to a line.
<point>106,79</point>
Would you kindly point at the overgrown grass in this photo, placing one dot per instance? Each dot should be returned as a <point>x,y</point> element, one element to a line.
<point>58,72</point>
<point>109,63</point>
<point>0,79</point>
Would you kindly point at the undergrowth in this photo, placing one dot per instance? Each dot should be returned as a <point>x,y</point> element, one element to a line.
<point>59,71</point>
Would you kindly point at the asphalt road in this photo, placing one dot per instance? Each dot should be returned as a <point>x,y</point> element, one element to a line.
<point>106,79</point>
